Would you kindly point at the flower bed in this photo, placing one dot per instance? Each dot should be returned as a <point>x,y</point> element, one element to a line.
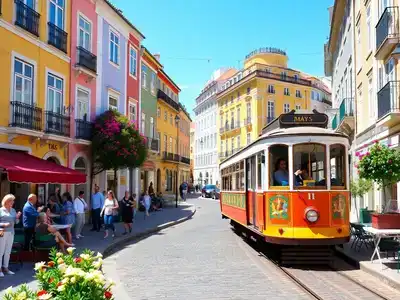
<point>67,277</point>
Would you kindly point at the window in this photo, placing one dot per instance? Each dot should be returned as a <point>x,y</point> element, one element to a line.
<point>370,98</point>
<point>338,166</point>
<point>152,127</point>
<point>248,138</point>
<point>248,111</point>
<point>153,83</point>
<point>238,142</point>
<point>296,77</point>
<point>144,76</point>
<point>298,107</point>
<point>112,102</point>
<point>278,166</point>
<point>260,170</point>
<point>283,75</point>
<point>170,144</point>
<point>143,128</point>
<point>298,94</point>
<point>286,107</point>
<point>85,32</point>
<point>369,28</point>
<point>132,61</point>
<point>170,119</point>
<point>232,145</point>
<point>309,165</point>
<point>359,47</point>
<point>56,13</point>
<point>82,103</point>
<point>286,91</point>
<point>23,82</point>
<point>271,89</point>
<point>114,47</point>
<point>158,112</point>
<point>248,91</point>
<point>165,143</point>
<point>165,115</point>
<point>132,112</point>
<point>271,111</point>
<point>54,93</point>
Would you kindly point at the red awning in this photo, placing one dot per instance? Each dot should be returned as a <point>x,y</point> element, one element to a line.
<point>23,167</point>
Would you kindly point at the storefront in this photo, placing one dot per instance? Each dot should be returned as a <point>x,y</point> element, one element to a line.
<point>147,176</point>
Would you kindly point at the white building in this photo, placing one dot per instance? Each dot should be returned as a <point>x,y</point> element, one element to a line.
<point>206,168</point>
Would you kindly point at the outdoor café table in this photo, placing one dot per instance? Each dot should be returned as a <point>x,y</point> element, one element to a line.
<point>378,234</point>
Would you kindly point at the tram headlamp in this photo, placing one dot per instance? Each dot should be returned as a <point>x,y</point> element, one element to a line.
<point>312,215</point>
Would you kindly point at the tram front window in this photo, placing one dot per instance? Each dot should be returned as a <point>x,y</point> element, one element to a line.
<point>309,165</point>
<point>278,166</point>
<point>338,166</point>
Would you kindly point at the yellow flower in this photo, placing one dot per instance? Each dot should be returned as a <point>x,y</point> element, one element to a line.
<point>73,279</point>
<point>65,280</point>
<point>39,265</point>
<point>62,268</point>
<point>59,254</point>
<point>61,288</point>
<point>99,255</point>
<point>97,264</point>
<point>60,261</point>
<point>70,250</point>
<point>9,290</point>
<point>112,282</point>
<point>85,256</point>
<point>45,297</point>
<point>21,296</point>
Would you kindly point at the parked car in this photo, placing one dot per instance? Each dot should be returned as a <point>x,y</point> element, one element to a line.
<point>210,191</point>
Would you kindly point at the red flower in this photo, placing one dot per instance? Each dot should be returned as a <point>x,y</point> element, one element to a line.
<point>59,284</point>
<point>78,260</point>
<point>51,280</point>
<point>107,294</point>
<point>51,264</point>
<point>41,293</point>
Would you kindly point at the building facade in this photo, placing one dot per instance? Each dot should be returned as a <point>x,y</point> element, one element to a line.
<point>206,167</point>
<point>265,88</point>
<point>184,145</point>
<point>375,28</point>
<point>192,150</point>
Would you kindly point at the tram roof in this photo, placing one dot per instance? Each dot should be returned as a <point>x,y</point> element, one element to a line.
<point>301,130</point>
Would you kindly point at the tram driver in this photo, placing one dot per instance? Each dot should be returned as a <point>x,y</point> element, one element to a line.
<point>301,175</point>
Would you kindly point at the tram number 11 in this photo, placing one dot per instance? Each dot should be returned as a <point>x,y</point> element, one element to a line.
<point>311,196</point>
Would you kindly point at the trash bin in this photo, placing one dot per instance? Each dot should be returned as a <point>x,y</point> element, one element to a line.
<point>365,215</point>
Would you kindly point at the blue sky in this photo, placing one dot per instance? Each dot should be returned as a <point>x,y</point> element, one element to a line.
<point>196,37</point>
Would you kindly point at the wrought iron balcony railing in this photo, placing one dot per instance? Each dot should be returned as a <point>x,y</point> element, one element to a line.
<point>26,17</point>
<point>87,59</point>
<point>83,129</point>
<point>167,99</point>
<point>57,124</point>
<point>388,99</point>
<point>185,160</point>
<point>57,37</point>
<point>346,108</point>
<point>152,144</point>
<point>388,25</point>
<point>26,116</point>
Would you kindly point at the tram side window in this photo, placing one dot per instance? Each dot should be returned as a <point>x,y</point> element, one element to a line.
<point>309,165</point>
<point>260,170</point>
<point>338,166</point>
<point>278,166</point>
<point>233,177</point>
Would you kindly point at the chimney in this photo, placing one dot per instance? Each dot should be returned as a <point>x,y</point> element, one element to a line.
<point>157,56</point>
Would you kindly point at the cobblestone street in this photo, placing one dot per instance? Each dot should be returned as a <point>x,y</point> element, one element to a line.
<point>198,259</point>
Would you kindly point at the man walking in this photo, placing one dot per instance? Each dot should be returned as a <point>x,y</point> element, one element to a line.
<point>80,207</point>
<point>97,205</point>
<point>29,215</point>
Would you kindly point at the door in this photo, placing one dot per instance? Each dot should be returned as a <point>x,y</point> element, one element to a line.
<point>56,12</point>
<point>251,190</point>
<point>391,78</point>
<point>82,111</point>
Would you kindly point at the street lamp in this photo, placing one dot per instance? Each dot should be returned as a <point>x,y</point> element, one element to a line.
<point>177,119</point>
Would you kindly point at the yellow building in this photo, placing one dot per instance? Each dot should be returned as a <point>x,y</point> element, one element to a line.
<point>168,117</point>
<point>34,82</point>
<point>260,92</point>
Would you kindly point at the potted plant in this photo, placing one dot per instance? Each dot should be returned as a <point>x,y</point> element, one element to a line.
<point>358,188</point>
<point>381,165</point>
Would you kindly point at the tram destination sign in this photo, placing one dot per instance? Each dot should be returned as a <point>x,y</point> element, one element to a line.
<point>315,119</point>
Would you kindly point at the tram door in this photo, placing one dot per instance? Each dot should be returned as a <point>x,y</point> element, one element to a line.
<point>251,190</point>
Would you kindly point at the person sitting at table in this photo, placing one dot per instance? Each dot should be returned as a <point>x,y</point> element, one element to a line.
<point>43,228</point>
<point>55,209</point>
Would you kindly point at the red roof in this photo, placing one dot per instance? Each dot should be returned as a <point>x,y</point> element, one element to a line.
<point>23,167</point>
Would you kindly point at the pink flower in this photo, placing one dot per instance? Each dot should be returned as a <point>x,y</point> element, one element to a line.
<point>390,161</point>
<point>376,141</point>
<point>367,153</point>
<point>357,154</point>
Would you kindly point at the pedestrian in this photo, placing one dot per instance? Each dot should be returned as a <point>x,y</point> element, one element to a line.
<point>134,206</point>
<point>69,215</point>
<point>80,208</point>
<point>55,208</point>
<point>29,215</point>
<point>97,205</point>
<point>151,189</point>
<point>58,196</point>
<point>127,212</point>
<point>8,218</point>
<point>109,208</point>
<point>147,202</point>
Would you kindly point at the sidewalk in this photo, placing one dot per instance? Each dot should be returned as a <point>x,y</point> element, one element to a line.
<point>95,241</point>
<point>362,259</point>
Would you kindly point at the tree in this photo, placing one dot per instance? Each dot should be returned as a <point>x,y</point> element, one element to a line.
<point>358,188</point>
<point>116,144</point>
<point>381,165</point>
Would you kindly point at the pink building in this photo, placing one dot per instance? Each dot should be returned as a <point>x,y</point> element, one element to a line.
<point>83,87</point>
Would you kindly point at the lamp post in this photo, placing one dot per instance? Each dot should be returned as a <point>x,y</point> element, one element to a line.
<point>177,119</point>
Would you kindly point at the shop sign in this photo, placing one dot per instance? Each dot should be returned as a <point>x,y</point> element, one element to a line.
<point>122,180</point>
<point>53,147</point>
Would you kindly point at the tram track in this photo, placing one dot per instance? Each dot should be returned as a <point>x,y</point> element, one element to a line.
<point>326,282</point>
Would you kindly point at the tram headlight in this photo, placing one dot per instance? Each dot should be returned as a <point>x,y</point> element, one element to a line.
<point>312,215</point>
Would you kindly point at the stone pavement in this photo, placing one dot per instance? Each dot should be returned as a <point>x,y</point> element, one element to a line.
<point>390,274</point>
<point>95,241</point>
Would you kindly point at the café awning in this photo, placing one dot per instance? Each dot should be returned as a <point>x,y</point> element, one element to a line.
<point>23,167</point>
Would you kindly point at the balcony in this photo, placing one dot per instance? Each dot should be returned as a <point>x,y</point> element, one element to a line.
<point>163,96</point>
<point>57,124</point>
<point>388,104</point>
<point>171,156</point>
<point>185,160</point>
<point>57,37</point>
<point>26,18</point>
<point>87,60</point>
<point>334,122</point>
<point>345,121</point>
<point>83,130</point>
<point>387,32</point>
<point>26,116</point>
<point>290,79</point>
<point>152,144</point>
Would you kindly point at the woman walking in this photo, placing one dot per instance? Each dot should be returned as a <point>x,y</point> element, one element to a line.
<point>110,205</point>
<point>8,218</point>
<point>127,212</point>
<point>147,202</point>
<point>68,216</point>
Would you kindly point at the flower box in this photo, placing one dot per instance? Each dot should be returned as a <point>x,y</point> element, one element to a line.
<point>386,221</point>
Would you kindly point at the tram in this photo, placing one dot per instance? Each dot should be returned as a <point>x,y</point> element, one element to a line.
<point>277,189</point>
